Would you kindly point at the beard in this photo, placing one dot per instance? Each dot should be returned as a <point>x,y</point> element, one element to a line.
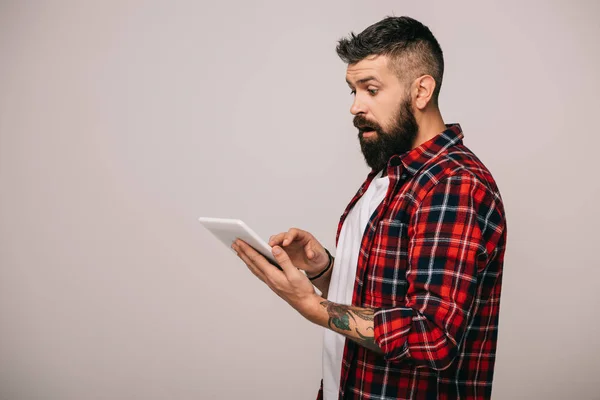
<point>378,149</point>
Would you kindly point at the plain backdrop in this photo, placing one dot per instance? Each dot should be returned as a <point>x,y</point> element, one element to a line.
<point>121,122</point>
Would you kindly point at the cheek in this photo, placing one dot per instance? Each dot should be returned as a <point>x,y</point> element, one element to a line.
<point>390,122</point>
<point>388,114</point>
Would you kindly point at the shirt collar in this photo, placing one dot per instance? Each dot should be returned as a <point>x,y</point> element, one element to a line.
<point>413,160</point>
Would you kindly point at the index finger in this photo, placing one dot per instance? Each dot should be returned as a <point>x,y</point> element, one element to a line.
<point>276,239</point>
<point>290,235</point>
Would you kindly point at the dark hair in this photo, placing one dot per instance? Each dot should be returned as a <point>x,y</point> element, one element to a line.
<point>412,48</point>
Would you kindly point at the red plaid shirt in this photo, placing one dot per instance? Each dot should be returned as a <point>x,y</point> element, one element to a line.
<point>431,266</point>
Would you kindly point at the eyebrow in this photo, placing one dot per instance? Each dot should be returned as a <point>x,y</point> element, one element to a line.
<point>363,80</point>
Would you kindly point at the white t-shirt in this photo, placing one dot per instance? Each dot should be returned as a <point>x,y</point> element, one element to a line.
<point>341,286</point>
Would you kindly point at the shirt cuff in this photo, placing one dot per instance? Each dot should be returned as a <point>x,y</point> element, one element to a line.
<point>391,328</point>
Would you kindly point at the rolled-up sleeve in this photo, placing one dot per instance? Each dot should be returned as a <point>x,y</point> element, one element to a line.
<point>445,251</point>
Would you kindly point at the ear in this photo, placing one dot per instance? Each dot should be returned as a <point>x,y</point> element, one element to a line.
<point>424,87</point>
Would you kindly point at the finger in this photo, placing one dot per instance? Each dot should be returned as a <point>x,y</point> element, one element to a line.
<point>282,258</point>
<point>256,271</point>
<point>310,253</point>
<point>276,239</point>
<point>257,259</point>
<point>290,236</point>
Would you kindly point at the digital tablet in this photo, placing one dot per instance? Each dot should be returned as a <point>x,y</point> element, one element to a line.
<point>228,230</point>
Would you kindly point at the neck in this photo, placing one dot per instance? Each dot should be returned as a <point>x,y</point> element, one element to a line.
<point>431,124</point>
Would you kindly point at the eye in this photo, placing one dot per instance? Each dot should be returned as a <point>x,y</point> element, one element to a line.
<point>353,92</point>
<point>373,92</point>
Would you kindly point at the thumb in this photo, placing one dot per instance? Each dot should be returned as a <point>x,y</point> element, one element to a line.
<point>283,260</point>
<point>310,253</point>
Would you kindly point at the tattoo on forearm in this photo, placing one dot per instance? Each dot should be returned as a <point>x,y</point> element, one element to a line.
<point>340,317</point>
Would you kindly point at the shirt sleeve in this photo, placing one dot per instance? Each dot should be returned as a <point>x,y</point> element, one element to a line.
<point>446,249</point>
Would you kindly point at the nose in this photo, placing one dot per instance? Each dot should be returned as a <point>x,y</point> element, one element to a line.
<point>357,107</point>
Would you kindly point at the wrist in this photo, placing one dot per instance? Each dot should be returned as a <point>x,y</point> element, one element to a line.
<point>330,261</point>
<point>313,309</point>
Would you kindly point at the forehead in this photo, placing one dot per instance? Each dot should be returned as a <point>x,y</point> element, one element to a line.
<point>372,66</point>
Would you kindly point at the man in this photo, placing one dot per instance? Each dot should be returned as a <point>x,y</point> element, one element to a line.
<point>411,301</point>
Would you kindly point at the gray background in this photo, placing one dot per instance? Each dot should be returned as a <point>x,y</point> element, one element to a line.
<point>122,122</point>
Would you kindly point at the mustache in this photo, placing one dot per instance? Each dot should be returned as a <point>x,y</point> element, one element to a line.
<point>363,124</point>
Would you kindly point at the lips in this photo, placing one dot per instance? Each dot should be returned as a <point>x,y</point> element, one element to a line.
<point>366,134</point>
<point>366,131</point>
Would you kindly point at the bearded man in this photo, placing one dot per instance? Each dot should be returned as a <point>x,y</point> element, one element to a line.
<point>411,301</point>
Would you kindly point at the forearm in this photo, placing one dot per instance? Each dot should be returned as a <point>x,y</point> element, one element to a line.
<point>356,323</point>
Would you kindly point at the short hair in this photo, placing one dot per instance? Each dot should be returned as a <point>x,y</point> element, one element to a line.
<point>412,48</point>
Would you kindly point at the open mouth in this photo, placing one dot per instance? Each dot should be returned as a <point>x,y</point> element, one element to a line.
<point>366,134</point>
<point>366,131</point>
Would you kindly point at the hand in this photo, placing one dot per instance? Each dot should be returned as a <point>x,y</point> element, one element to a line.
<point>290,284</point>
<point>303,249</point>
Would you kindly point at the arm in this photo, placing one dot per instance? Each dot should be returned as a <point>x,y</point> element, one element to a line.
<point>293,286</point>
<point>453,232</point>
<point>356,323</point>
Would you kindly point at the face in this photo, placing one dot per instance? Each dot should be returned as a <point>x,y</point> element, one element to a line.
<point>382,109</point>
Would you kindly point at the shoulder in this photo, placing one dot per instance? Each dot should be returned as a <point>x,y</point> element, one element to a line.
<point>458,171</point>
